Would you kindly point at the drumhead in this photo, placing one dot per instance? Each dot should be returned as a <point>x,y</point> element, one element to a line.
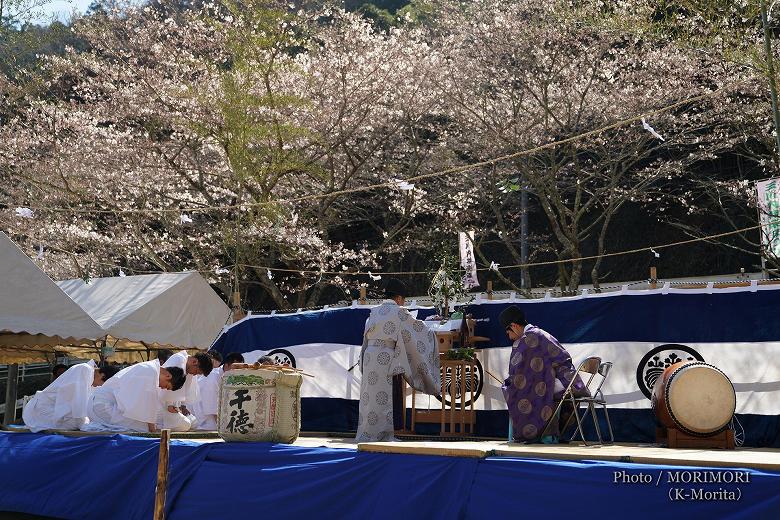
<point>701,398</point>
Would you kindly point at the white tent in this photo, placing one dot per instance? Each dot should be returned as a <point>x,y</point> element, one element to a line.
<point>177,310</point>
<point>35,314</point>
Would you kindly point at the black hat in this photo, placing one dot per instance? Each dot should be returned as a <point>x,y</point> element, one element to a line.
<point>510,315</point>
<point>394,287</point>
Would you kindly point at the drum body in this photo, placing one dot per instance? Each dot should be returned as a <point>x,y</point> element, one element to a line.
<point>695,398</point>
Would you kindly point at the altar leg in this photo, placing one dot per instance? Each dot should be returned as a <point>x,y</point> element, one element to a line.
<point>399,408</point>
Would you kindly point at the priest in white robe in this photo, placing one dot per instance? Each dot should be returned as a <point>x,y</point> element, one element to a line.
<point>394,343</point>
<point>206,408</point>
<point>130,401</point>
<point>175,410</point>
<point>63,404</point>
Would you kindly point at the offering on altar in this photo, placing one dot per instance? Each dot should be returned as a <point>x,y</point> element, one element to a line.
<point>445,326</point>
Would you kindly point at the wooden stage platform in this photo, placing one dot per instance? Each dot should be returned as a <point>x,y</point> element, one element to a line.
<point>756,458</point>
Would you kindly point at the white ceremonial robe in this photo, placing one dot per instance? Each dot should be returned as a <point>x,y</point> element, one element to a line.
<point>207,407</point>
<point>128,401</point>
<point>63,404</point>
<point>187,394</point>
<point>393,343</point>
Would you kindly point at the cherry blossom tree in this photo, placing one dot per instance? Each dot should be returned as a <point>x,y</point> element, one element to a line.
<point>523,74</point>
<point>238,139</point>
<point>173,142</point>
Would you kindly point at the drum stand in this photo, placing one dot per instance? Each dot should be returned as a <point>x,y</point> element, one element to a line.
<point>675,438</point>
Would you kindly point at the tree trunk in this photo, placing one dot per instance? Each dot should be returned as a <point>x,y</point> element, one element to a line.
<point>316,293</point>
<point>301,292</point>
<point>563,276</point>
<point>150,252</point>
<point>594,273</point>
<point>271,288</point>
<point>500,275</point>
<point>576,274</point>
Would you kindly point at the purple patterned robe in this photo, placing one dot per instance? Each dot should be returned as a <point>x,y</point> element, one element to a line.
<point>537,360</point>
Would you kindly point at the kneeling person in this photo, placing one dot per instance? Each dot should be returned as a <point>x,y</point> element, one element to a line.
<point>129,401</point>
<point>175,411</point>
<point>63,404</point>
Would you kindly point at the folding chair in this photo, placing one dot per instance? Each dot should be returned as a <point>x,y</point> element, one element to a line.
<point>590,366</point>
<point>598,399</point>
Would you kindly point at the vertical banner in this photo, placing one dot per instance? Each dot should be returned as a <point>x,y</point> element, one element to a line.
<point>769,212</point>
<point>467,260</point>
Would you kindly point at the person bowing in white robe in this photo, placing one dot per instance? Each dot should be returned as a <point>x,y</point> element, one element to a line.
<point>63,404</point>
<point>130,401</point>
<point>394,343</point>
<point>175,410</point>
<point>206,408</point>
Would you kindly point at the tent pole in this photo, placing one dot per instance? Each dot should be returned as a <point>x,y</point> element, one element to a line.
<point>9,417</point>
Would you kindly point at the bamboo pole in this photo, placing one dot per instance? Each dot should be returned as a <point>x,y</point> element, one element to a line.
<point>162,476</point>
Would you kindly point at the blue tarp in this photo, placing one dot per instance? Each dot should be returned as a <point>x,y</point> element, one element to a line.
<point>588,489</point>
<point>725,317</point>
<point>114,477</point>
<point>340,326</point>
<point>686,318</point>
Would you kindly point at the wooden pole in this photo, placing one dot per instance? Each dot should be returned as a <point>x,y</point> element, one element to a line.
<point>472,419</point>
<point>490,289</point>
<point>403,402</point>
<point>453,404</point>
<point>162,476</point>
<point>525,278</point>
<point>238,314</point>
<point>10,394</point>
<point>414,410</point>
<point>462,390</point>
<point>362,300</point>
<point>761,248</point>
<point>653,278</point>
<point>443,396</point>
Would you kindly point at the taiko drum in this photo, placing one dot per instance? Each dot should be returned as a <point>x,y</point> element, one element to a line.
<point>695,398</point>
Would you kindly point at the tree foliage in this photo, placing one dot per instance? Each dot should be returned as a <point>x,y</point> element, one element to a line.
<point>237,138</point>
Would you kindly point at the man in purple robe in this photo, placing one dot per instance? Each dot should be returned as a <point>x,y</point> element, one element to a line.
<point>539,371</point>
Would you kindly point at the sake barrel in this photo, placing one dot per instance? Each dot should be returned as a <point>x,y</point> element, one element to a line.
<point>260,404</point>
